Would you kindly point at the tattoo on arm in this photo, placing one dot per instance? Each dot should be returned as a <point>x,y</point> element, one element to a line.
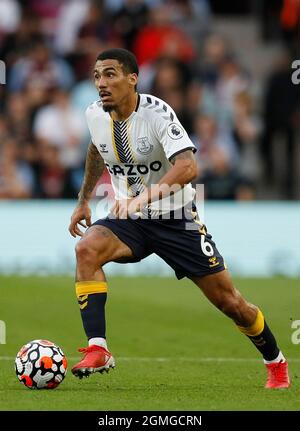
<point>184,155</point>
<point>94,167</point>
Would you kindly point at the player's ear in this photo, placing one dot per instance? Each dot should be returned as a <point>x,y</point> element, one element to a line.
<point>132,78</point>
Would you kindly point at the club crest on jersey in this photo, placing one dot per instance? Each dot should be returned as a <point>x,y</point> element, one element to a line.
<point>175,131</point>
<point>144,146</point>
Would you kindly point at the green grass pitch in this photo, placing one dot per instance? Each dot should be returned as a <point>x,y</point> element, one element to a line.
<point>173,349</point>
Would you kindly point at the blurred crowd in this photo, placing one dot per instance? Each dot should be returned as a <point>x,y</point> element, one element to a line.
<point>49,49</point>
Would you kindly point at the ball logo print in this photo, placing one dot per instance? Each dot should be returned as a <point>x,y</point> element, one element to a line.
<point>40,364</point>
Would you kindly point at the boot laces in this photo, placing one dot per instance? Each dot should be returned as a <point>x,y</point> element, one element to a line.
<point>90,349</point>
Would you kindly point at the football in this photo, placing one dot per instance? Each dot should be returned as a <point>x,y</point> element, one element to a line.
<point>41,364</point>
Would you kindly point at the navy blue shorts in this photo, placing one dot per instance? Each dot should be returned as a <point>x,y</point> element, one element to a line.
<point>183,243</point>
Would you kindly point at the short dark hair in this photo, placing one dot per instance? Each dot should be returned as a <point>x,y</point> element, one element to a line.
<point>123,56</point>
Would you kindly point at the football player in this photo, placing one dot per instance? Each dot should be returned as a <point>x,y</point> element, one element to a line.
<point>148,153</point>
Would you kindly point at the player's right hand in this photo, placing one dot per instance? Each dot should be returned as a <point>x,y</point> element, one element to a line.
<point>81,212</point>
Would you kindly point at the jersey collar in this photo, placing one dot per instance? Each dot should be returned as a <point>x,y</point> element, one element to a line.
<point>137,103</point>
<point>133,112</point>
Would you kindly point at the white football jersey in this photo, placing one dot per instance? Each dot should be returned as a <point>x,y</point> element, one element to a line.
<point>137,151</point>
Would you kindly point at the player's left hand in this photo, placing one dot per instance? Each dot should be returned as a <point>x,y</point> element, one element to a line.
<point>123,208</point>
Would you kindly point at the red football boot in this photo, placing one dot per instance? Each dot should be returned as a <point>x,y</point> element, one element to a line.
<point>96,359</point>
<point>278,375</point>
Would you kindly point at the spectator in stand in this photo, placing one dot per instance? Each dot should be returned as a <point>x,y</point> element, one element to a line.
<point>215,50</point>
<point>231,81</point>
<point>209,137</point>
<point>170,74</point>
<point>247,128</point>
<point>281,104</point>
<point>289,21</point>
<point>16,176</point>
<point>216,93</point>
<point>4,129</point>
<point>42,68</point>
<point>83,94</point>
<point>48,13</point>
<point>10,15</point>
<point>52,178</point>
<point>18,43</point>
<point>221,181</point>
<point>129,20</point>
<point>95,34</point>
<point>170,83</point>
<point>218,162</point>
<point>61,125</point>
<point>18,116</point>
<point>71,17</point>
<point>193,17</point>
<point>162,38</point>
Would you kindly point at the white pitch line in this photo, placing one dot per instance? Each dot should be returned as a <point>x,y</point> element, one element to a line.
<point>169,359</point>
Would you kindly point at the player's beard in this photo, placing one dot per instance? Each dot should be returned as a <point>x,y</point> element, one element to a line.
<point>108,108</point>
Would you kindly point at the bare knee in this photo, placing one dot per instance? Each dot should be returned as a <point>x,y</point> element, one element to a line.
<point>88,252</point>
<point>82,250</point>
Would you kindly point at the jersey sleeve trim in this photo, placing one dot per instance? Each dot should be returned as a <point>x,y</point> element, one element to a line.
<point>154,104</point>
<point>182,150</point>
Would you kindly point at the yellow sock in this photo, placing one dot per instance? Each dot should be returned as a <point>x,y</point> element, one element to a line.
<point>256,328</point>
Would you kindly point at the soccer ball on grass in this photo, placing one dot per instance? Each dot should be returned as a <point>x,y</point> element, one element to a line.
<point>40,364</point>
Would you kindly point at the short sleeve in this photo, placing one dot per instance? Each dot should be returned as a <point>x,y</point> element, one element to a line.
<point>88,116</point>
<point>173,136</point>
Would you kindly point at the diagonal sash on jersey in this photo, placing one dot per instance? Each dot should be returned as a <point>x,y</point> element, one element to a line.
<point>124,154</point>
